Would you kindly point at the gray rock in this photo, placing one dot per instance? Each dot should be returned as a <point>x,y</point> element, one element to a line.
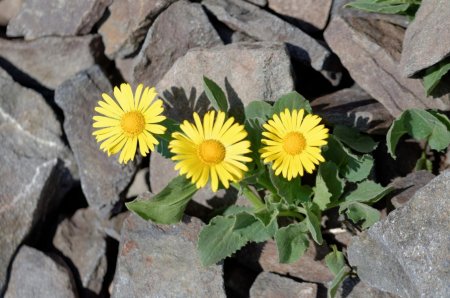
<point>8,10</point>
<point>49,61</point>
<point>408,253</point>
<point>269,285</point>
<point>354,288</point>
<point>262,25</point>
<point>36,275</point>
<point>38,18</point>
<point>128,22</point>
<point>261,3</point>
<point>408,186</point>
<point>103,178</point>
<point>34,168</point>
<point>125,67</point>
<point>162,261</point>
<point>353,107</point>
<point>427,39</point>
<point>245,71</point>
<point>139,184</point>
<point>370,50</point>
<point>82,241</point>
<point>313,12</point>
<point>192,29</point>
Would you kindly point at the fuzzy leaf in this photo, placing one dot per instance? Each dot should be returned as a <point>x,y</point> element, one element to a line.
<point>368,192</point>
<point>313,223</point>
<point>337,281</point>
<point>359,212</point>
<point>358,168</point>
<point>354,139</point>
<point>292,191</point>
<point>258,109</point>
<point>434,74</point>
<point>164,139</point>
<point>335,260</point>
<point>292,242</point>
<point>384,6</point>
<point>291,101</point>
<point>329,186</point>
<point>215,95</point>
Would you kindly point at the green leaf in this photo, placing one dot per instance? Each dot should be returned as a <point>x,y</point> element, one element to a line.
<point>258,109</point>
<point>359,212</point>
<point>236,209</point>
<point>164,139</point>
<point>354,139</point>
<point>423,163</point>
<point>383,6</point>
<point>313,223</point>
<point>291,101</point>
<point>292,242</point>
<point>421,125</point>
<point>368,192</point>
<point>434,74</point>
<point>329,186</point>
<point>215,95</point>
<point>225,235</point>
<point>167,206</point>
<point>337,281</point>
<point>358,168</point>
<point>335,260</point>
<point>292,191</point>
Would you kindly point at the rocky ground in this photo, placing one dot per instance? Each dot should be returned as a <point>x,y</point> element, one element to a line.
<point>64,230</point>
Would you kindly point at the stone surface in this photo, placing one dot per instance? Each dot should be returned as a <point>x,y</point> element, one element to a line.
<point>49,61</point>
<point>370,50</point>
<point>82,241</point>
<point>8,10</point>
<point>125,67</point>
<point>192,29</point>
<point>407,186</point>
<point>269,285</point>
<point>139,184</point>
<point>408,253</point>
<point>128,22</point>
<point>258,2</point>
<point>427,38</point>
<point>313,12</point>
<point>353,107</point>
<point>103,178</point>
<point>38,18</point>
<point>245,71</point>
<point>34,166</point>
<point>262,25</point>
<point>36,275</point>
<point>162,261</point>
<point>354,288</point>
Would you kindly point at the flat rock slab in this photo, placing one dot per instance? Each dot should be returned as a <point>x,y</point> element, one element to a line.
<point>262,25</point>
<point>354,288</point>
<point>81,240</point>
<point>407,186</point>
<point>103,178</point>
<point>8,10</point>
<point>370,50</point>
<point>34,165</point>
<point>38,18</point>
<point>313,12</point>
<point>269,285</point>
<point>36,275</point>
<point>128,22</point>
<point>408,253</point>
<point>162,261</point>
<point>168,40</point>
<point>427,38</point>
<point>49,61</point>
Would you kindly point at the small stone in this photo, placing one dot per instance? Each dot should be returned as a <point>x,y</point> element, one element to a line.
<point>262,25</point>
<point>191,29</point>
<point>353,107</point>
<point>8,10</point>
<point>427,38</point>
<point>408,186</point>
<point>408,253</point>
<point>313,12</point>
<point>38,18</point>
<point>162,261</point>
<point>49,61</point>
<point>103,178</point>
<point>370,50</point>
<point>34,274</point>
<point>81,240</point>
<point>269,285</point>
<point>128,22</point>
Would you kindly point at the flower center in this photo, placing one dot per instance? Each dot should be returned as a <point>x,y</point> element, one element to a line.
<point>132,123</point>
<point>211,152</point>
<point>294,143</point>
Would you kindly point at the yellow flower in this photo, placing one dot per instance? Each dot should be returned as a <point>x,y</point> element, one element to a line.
<point>213,150</point>
<point>127,120</point>
<point>293,143</point>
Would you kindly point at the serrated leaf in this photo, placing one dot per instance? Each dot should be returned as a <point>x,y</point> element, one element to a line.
<point>359,212</point>
<point>368,192</point>
<point>358,168</point>
<point>236,209</point>
<point>258,109</point>
<point>329,186</point>
<point>313,223</point>
<point>335,260</point>
<point>167,206</point>
<point>291,101</point>
<point>292,191</point>
<point>354,139</point>
<point>434,74</point>
<point>337,281</point>
<point>292,242</point>
<point>215,95</point>
<point>164,139</point>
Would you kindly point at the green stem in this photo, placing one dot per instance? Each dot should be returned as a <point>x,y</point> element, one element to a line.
<point>256,201</point>
<point>289,213</point>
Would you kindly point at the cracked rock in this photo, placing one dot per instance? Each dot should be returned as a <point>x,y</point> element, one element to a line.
<point>270,285</point>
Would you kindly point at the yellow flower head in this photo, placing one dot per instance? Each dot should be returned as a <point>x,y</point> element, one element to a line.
<point>292,142</point>
<point>127,120</point>
<point>211,150</point>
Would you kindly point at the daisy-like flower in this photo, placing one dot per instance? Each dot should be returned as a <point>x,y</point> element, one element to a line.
<point>211,150</point>
<point>129,119</point>
<point>292,142</point>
